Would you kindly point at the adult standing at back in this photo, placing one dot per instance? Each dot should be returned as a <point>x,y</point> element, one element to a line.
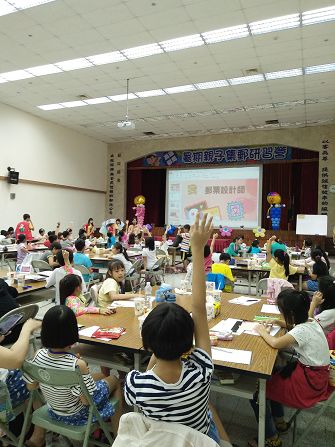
<point>25,227</point>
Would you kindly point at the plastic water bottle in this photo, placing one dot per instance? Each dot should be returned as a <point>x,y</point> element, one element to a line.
<point>147,296</point>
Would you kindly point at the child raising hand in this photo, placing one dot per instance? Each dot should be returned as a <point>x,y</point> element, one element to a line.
<point>175,388</point>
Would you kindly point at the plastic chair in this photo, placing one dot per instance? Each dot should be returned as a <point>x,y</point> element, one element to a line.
<point>134,275</point>
<point>65,378</point>
<point>40,266</point>
<point>262,286</point>
<point>8,413</point>
<point>321,408</point>
<point>84,271</point>
<point>94,291</point>
<point>28,311</point>
<point>157,270</point>
<point>219,280</point>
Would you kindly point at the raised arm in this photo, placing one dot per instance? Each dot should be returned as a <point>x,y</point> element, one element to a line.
<point>317,300</point>
<point>268,247</point>
<point>200,233</point>
<point>214,237</point>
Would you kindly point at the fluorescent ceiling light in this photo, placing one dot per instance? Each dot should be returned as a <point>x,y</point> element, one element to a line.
<point>230,33</point>
<point>180,89</point>
<point>275,24</point>
<point>319,68</point>
<point>318,15</point>
<point>180,43</point>
<point>122,97</point>
<point>6,8</point>
<point>246,79</point>
<point>211,84</point>
<point>43,70</point>
<point>142,51</point>
<point>259,107</point>
<point>16,75</point>
<point>284,74</point>
<point>106,58</point>
<point>74,64</point>
<point>149,93</point>
<point>2,80</point>
<point>51,107</point>
<point>101,100</point>
<point>73,104</point>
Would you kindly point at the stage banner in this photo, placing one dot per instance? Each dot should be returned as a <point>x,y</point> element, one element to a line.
<point>218,156</point>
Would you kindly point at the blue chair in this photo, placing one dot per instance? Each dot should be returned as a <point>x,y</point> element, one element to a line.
<point>218,279</point>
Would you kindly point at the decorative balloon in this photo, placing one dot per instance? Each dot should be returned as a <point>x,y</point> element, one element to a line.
<point>225,231</point>
<point>259,232</point>
<point>274,212</point>
<point>171,230</point>
<point>140,209</point>
<point>139,200</point>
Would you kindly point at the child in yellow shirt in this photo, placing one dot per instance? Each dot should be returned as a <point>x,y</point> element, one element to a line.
<point>223,268</point>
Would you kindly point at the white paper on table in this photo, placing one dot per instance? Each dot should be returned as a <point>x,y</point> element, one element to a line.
<point>270,309</point>
<point>128,303</point>
<point>88,331</point>
<point>35,278</point>
<point>231,355</point>
<point>248,327</point>
<point>226,326</point>
<point>244,300</point>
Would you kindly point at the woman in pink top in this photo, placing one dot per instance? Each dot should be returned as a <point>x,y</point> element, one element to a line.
<point>25,227</point>
<point>71,296</point>
<point>208,251</point>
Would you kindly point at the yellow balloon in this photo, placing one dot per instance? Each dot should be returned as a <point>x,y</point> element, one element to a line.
<point>139,200</point>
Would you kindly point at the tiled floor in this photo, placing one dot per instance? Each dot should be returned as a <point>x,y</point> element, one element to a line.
<point>236,413</point>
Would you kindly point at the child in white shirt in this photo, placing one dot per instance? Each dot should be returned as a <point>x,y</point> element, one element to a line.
<point>324,301</point>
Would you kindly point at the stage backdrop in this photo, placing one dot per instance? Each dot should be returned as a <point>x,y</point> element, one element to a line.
<point>296,180</point>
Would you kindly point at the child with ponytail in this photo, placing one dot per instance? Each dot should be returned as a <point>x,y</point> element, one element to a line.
<point>302,383</point>
<point>119,252</point>
<point>279,262</point>
<point>319,269</point>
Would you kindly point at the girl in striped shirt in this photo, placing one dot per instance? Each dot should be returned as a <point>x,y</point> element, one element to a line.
<point>174,389</point>
<point>67,404</point>
<point>70,291</point>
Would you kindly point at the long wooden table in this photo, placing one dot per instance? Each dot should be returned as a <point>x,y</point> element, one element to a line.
<point>33,286</point>
<point>262,361</point>
<point>258,270</point>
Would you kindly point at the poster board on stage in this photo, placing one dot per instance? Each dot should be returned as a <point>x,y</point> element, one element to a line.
<point>312,224</point>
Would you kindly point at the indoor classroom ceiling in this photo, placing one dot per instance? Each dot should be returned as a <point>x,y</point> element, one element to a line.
<point>195,66</point>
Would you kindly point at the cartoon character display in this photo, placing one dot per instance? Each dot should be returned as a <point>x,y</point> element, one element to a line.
<point>274,211</point>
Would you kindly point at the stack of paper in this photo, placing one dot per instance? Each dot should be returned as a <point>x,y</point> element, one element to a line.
<point>270,309</point>
<point>232,355</point>
<point>249,327</point>
<point>244,300</point>
<point>88,331</point>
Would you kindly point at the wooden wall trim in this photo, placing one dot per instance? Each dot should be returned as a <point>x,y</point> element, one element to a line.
<point>56,185</point>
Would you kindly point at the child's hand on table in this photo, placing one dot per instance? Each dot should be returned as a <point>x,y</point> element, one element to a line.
<point>106,311</point>
<point>263,328</point>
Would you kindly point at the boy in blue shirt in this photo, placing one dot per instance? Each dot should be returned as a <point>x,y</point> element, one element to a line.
<point>79,258</point>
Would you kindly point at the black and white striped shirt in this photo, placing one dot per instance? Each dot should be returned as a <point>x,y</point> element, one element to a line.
<point>63,401</point>
<point>184,402</point>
